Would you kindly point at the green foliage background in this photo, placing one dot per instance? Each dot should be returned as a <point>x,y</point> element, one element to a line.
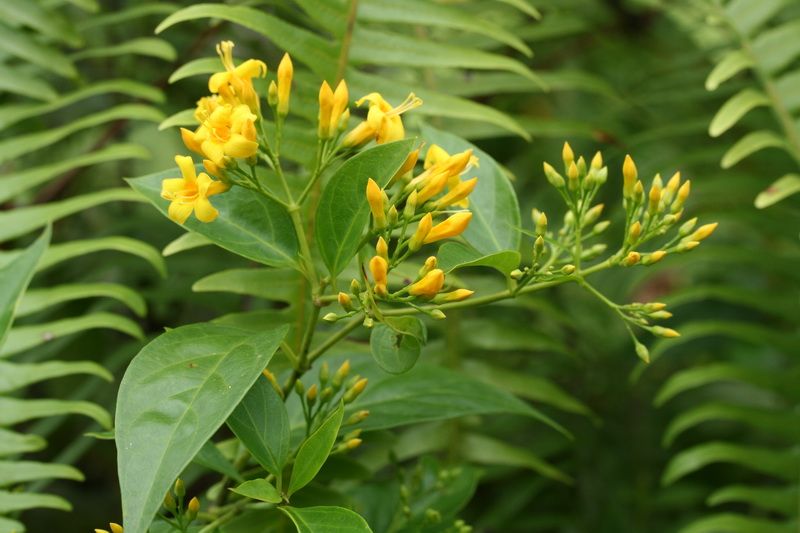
<point>704,439</point>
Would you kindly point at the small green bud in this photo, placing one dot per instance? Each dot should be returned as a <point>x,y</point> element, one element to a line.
<point>324,373</point>
<point>192,509</point>
<point>169,503</point>
<point>180,489</point>
<point>368,322</point>
<point>541,224</point>
<point>568,269</point>
<point>356,417</point>
<point>642,352</point>
<point>592,214</point>
<point>687,227</point>
<point>600,227</point>
<point>392,215</point>
<point>331,317</point>
<point>299,388</point>
<point>538,246</point>
<point>516,274</point>
<point>272,94</point>
<point>555,179</point>
<point>437,314</point>
<point>355,286</point>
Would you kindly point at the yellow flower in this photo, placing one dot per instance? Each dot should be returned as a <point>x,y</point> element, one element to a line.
<point>236,83</point>
<point>457,195</point>
<point>429,285</point>
<point>190,193</point>
<point>285,74</point>
<point>115,528</point>
<point>418,239</point>
<point>341,98</point>
<point>439,163</point>
<point>451,227</point>
<point>454,296</point>
<point>383,122</point>
<point>228,131</point>
<point>375,200</point>
<point>379,268</point>
<point>325,109</point>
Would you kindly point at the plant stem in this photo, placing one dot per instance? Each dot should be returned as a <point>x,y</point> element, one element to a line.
<point>347,39</point>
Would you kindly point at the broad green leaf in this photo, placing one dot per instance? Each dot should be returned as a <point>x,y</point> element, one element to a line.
<point>416,12</point>
<point>779,499</point>
<point>187,241</point>
<point>18,82</point>
<point>16,276</point>
<point>259,489</point>
<point>455,255</point>
<point>304,45</point>
<point>343,212</point>
<point>261,422</point>
<point>14,472</point>
<point>314,451</point>
<point>495,212</point>
<point>326,519</point>
<point>20,501</point>
<point>397,342</point>
<point>734,109</point>
<point>12,443</point>
<point>486,450</point>
<point>750,144</point>
<point>780,464</point>
<point>26,337</point>
<point>19,145</point>
<point>734,523</point>
<point>12,113</point>
<point>19,182</point>
<point>269,283</point>
<point>22,45</point>
<point>733,63</point>
<point>14,376</point>
<point>249,224</point>
<point>428,393</point>
<point>210,457</point>
<point>788,89</point>
<point>142,46</point>
<point>175,394</point>
<point>39,299</point>
<point>13,411</point>
<point>18,222</point>
<point>780,189</point>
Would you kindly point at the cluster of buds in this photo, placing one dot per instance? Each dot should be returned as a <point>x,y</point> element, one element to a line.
<point>652,214</point>
<point>420,487</point>
<point>182,514</point>
<point>321,397</point>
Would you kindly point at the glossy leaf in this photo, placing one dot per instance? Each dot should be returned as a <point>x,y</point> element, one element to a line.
<point>268,283</point>
<point>343,212</point>
<point>314,451</point>
<point>326,519</point>
<point>175,394</point>
<point>455,255</point>
<point>16,275</point>
<point>259,489</point>
<point>495,212</point>
<point>261,422</point>
<point>396,343</point>
<point>249,224</point>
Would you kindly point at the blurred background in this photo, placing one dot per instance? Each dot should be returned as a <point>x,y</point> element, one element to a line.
<point>704,439</point>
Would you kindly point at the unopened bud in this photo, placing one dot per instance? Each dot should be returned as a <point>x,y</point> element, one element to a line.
<point>355,286</point>
<point>437,314</point>
<point>555,179</point>
<point>654,198</point>
<point>654,306</point>
<point>180,488</point>
<point>272,94</point>
<point>686,246</point>
<point>193,508</point>
<point>660,315</point>
<point>568,269</point>
<point>324,373</point>
<point>354,391</point>
<point>631,259</point>
<point>567,155</point>
<point>538,246</point>
<point>169,502</point>
<point>667,333</point>
<point>411,205</point>
<point>345,301</point>
<point>331,317</point>
<point>600,227</point>
<point>368,322</point>
<point>597,161</point>
<point>327,394</point>
<point>299,388</point>
<point>687,227</point>
<point>581,164</point>
<point>593,214</point>
<point>352,444</point>
<point>703,232</point>
<point>541,224</point>
<point>311,395</point>
<point>391,215</point>
<point>273,381</point>
<point>382,249</point>
<point>430,264</point>
<point>116,528</point>
<point>356,417</point>
<point>638,192</point>
<point>341,374</point>
<point>634,232</point>
<point>642,352</point>
<point>572,175</point>
<point>629,175</point>
<point>683,194</point>
<point>655,257</point>
<point>516,274</point>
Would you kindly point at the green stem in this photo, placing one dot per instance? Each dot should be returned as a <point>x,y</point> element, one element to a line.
<point>347,39</point>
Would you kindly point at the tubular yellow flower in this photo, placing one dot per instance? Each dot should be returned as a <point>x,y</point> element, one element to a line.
<point>408,166</point>
<point>383,122</point>
<point>424,228</point>
<point>457,194</point>
<point>380,271</point>
<point>430,285</point>
<point>703,232</point>
<point>375,200</point>
<point>341,97</point>
<point>434,186</point>
<point>190,193</point>
<point>236,83</point>
<point>629,175</point>
<point>228,131</point>
<point>453,226</point>
<point>285,74</point>
<point>454,296</point>
<point>325,108</point>
<point>435,155</point>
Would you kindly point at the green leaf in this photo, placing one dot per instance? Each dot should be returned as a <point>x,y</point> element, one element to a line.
<point>281,285</point>
<point>12,443</point>
<point>259,489</point>
<point>249,224</point>
<point>495,212</point>
<point>26,337</point>
<point>733,63</point>
<point>16,276</point>
<point>747,16</point>
<point>780,189</point>
<point>118,16</point>
<point>780,464</point>
<point>326,519</point>
<point>428,393</point>
<point>59,253</point>
<point>397,342</point>
<point>187,241</point>
<point>18,82</point>
<point>19,145</point>
<point>261,422</point>
<point>485,450</point>
<point>696,377</point>
<point>314,451</point>
<point>22,45</point>
<point>14,472</point>
<point>10,526</point>
<point>210,457</point>
<point>175,394</point>
<point>455,255</point>
<point>777,47</point>
<point>343,212</point>
<point>48,22</point>
<point>19,182</point>
<point>779,499</point>
<point>18,375</point>
<point>183,118</point>
<point>18,222</point>
<point>20,501</point>
<point>196,67</point>
<point>39,299</point>
<point>733,523</point>
<point>142,46</point>
<point>13,411</point>
<point>750,144</point>
<point>734,109</point>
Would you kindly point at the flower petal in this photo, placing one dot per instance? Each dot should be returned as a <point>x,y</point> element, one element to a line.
<point>186,165</point>
<point>179,212</point>
<point>213,151</point>
<point>204,211</point>
<point>218,80</point>
<point>240,146</point>
<point>171,187</point>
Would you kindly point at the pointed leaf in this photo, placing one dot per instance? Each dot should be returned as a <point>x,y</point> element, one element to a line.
<point>326,519</point>
<point>259,489</point>
<point>782,188</point>
<point>314,451</point>
<point>734,109</point>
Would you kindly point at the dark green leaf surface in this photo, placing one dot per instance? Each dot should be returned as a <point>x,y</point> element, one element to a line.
<point>315,450</point>
<point>326,519</point>
<point>397,342</point>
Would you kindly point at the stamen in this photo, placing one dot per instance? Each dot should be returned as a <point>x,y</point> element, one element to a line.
<point>412,101</point>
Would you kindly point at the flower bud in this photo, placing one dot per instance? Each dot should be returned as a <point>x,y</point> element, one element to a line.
<point>600,227</point>
<point>272,94</point>
<point>568,269</point>
<point>538,246</point>
<point>686,246</point>
<point>541,224</point>
<point>655,257</point>
<point>192,509</point>
<point>629,175</point>
<point>594,251</point>
<point>341,98</point>
<point>654,198</point>
<point>453,296</point>
<point>592,214</point>
<point>407,166</point>
<point>411,205</point>
<point>327,394</point>
<point>325,108</point>
<point>299,388</point>
<point>273,381</point>
<point>324,373</point>
<point>430,264</point>
<point>437,314</point>
<point>703,232</point>
<point>345,301</point>
<point>683,194</point>
<point>423,229</point>
<point>355,286</point>
<point>382,249</point>
<point>180,488</point>
<point>660,315</point>
<point>456,194</point>
<point>379,268</point>
<point>638,192</point>
<point>429,285</point>
<point>642,352</point>
<point>376,204</point>
<point>631,259</point>
<point>169,503</point>
<point>311,395</point>
<point>453,226</point>
<point>634,232</point>
<point>331,317</point>
<point>285,73</point>
<point>391,215</point>
<point>567,155</point>
<point>354,391</point>
<point>672,188</point>
<point>597,161</point>
<point>356,417</point>
<point>555,179</point>
<point>667,333</point>
<point>687,227</point>
<point>341,374</point>
<point>572,176</point>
